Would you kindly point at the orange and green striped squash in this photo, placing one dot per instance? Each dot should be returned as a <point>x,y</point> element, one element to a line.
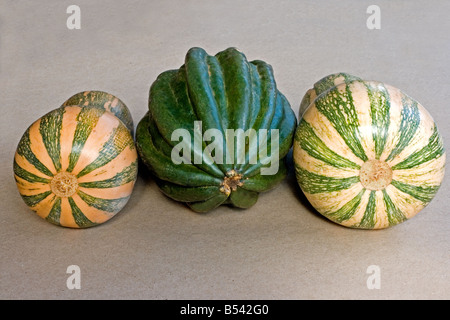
<point>76,166</point>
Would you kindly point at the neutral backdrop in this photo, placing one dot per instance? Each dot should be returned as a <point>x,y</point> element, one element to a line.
<point>158,249</point>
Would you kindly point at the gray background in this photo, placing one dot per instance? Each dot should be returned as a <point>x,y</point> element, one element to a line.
<point>158,249</point>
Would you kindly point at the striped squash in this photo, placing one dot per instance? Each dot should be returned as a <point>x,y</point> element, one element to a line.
<point>366,154</point>
<point>76,166</point>
<point>103,100</point>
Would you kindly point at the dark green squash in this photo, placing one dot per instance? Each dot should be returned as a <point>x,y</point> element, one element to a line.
<point>224,91</point>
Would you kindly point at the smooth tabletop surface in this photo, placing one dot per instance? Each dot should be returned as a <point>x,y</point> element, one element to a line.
<point>156,248</point>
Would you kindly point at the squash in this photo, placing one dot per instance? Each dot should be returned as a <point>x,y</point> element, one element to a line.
<point>103,100</point>
<point>200,103</point>
<point>366,154</point>
<point>76,166</point>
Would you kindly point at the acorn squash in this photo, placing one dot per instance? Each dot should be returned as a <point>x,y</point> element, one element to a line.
<point>217,130</point>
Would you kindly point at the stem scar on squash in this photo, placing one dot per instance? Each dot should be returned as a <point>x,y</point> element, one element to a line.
<point>231,181</point>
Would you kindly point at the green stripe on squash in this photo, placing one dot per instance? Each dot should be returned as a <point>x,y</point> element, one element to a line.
<point>369,218</point>
<point>28,176</point>
<point>33,200</point>
<point>24,150</point>
<point>423,193</point>
<point>339,109</point>
<point>54,215</point>
<point>86,121</point>
<point>394,214</point>
<point>108,205</point>
<point>80,219</point>
<point>408,126</point>
<point>433,150</point>
<point>317,149</point>
<point>379,109</point>
<point>128,174</point>
<point>50,129</point>
<point>315,183</point>
<point>347,211</point>
<point>116,143</point>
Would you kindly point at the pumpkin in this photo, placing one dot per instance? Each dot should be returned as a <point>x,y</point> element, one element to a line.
<point>76,166</point>
<point>207,98</point>
<point>366,154</point>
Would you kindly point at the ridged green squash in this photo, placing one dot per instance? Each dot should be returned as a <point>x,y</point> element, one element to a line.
<point>366,154</point>
<point>224,92</point>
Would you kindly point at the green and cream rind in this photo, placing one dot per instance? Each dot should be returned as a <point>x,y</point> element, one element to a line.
<point>348,121</point>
